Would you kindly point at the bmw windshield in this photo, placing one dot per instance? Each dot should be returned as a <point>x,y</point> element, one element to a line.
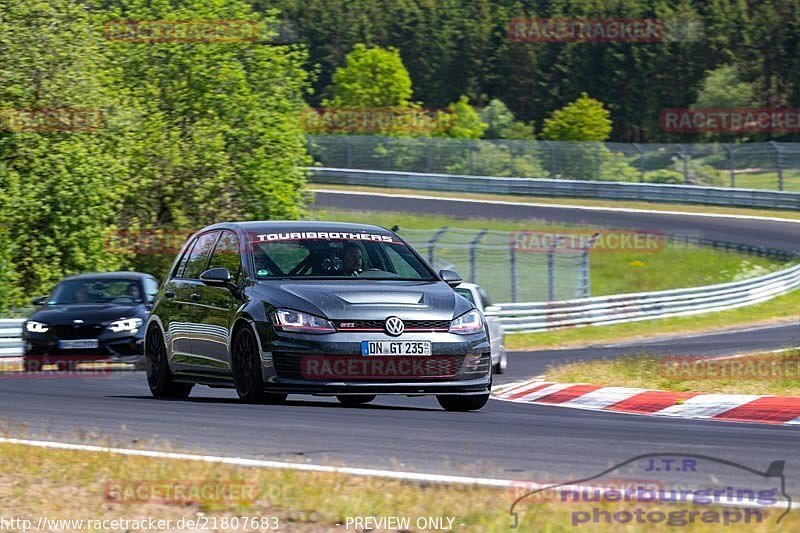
<point>97,291</point>
<point>336,255</point>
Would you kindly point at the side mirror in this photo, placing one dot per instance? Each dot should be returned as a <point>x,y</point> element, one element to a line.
<point>216,277</point>
<point>40,301</point>
<point>450,277</point>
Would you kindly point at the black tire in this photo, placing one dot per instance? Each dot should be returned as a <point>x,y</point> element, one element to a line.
<point>472,402</point>
<point>246,367</point>
<point>357,399</point>
<point>159,376</point>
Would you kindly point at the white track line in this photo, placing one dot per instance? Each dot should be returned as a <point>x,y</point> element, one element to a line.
<point>367,472</point>
<point>563,206</point>
<point>258,463</point>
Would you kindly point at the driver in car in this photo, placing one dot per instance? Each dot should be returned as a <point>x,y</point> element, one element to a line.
<point>352,260</point>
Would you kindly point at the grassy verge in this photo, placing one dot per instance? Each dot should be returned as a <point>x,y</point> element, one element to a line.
<point>589,202</point>
<point>64,484</point>
<point>775,373</point>
<point>783,309</point>
<point>668,267</point>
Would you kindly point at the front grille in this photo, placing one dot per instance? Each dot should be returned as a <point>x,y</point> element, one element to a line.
<point>377,325</point>
<point>77,332</point>
<point>439,367</point>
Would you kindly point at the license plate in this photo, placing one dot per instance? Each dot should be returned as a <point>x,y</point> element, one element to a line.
<point>78,344</point>
<point>395,347</point>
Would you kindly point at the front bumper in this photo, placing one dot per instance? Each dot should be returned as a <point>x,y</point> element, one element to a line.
<point>122,348</point>
<point>332,364</point>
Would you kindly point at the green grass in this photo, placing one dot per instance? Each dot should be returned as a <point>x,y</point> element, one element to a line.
<point>768,181</point>
<point>752,374</point>
<point>66,484</point>
<point>784,308</point>
<point>673,266</point>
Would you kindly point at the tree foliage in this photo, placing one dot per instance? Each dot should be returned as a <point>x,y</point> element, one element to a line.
<point>585,119</point>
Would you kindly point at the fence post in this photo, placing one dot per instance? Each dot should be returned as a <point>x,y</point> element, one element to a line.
<point>472,270</point>
<point>432,243</point>
<point>549,146</point>
<point>685,156</point>
<point>641,161</point>
<point>778,163</point>
<point>387,142</point>
<point>551,282</point>
<point>470,156</point>
<point>597,153</point>
<point>586,289</point>
<point>349,150</point>
<point>428,154</point>
<point>732,161</point>
<point>512,264</point>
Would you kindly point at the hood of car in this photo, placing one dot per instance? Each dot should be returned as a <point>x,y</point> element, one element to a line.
<point>362,299</point>
<point>89,313</point>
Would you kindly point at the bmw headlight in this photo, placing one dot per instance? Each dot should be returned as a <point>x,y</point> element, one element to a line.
<point>31,326</point>
<point>297,322</point>
<point>468,323</point>
<point>125,324</point>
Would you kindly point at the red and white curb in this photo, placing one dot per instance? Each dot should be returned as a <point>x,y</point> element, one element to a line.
<point>782,410</point>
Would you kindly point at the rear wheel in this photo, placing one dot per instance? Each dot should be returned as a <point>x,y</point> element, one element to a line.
<point>355,399</point>
<point>472,402</point>
<point>159,376</point>
<point>246,367</point>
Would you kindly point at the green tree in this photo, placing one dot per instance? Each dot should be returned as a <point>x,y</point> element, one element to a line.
<point>371,78</point>
<point>585,119</point>
<point>501,123</point>
<point>466,122</point>
<point>723,87</point>
<point>59,190</point>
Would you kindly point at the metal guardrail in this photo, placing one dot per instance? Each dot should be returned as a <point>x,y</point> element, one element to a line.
<point>601,310</point>
<point>649,192</point>
<point>11,337</point>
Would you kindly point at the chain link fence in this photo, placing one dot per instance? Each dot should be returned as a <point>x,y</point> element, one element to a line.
<point>492,260</point>
<point>768,165</point>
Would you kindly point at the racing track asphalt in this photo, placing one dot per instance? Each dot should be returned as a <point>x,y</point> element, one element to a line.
<point>504,440</point>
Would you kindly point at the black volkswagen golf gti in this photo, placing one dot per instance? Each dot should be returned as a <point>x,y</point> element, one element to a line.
<point>346,310</point>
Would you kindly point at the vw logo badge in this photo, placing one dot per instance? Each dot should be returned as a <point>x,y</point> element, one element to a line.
<point>394,326</point>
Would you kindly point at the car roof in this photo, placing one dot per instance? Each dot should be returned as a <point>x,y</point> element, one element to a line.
<point>298,225</point>
<point>110,275</point>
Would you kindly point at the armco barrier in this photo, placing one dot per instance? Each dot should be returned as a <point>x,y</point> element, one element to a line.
<point>600,310</point>
<point>11,337</point>
<point>649,192</point>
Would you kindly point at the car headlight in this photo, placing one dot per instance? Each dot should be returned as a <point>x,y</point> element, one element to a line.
<point>125,324</point>
<point>297,322</point>
<point>468,323</point>
<point>31,326</point>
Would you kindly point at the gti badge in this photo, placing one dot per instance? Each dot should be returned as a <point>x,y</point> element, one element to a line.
<point>394,326</point>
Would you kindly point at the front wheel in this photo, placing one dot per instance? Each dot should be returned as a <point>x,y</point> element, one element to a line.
<point>246,366</point>
<point>355,399</point>
<point>159,376</point>
<point>471,402</point>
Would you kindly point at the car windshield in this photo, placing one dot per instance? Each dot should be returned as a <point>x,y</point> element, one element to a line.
<point>97,291</point>
<point>306,256</point>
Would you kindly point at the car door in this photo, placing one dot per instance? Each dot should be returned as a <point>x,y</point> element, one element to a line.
<point>186,286</point>
<point>174,310</point>
<point>216,308</point>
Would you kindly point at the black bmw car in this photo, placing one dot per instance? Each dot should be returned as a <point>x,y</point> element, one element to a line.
<point>90,317</point>
<point>345,310</point>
